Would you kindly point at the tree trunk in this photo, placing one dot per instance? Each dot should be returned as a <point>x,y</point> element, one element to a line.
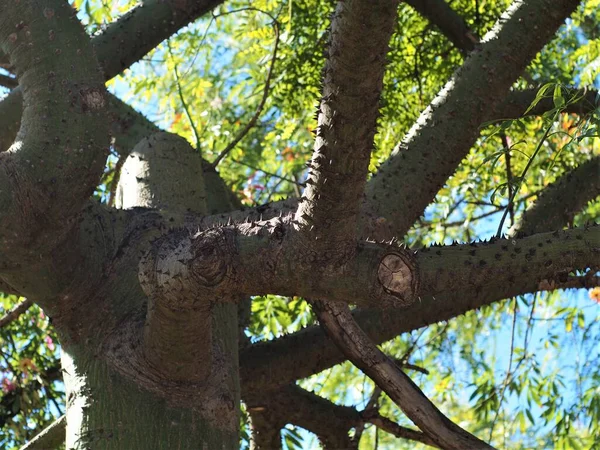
<point>146,295</point>
<point>139,409</point>
<point>105,410</point>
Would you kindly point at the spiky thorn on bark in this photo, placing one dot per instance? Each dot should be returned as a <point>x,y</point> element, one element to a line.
<point>347,116</point>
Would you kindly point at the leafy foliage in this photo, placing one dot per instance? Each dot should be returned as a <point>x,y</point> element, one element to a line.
<point>524,372</point>
<point>31,394</point>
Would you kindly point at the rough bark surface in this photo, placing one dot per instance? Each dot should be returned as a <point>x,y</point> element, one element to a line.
<point>146,295</point>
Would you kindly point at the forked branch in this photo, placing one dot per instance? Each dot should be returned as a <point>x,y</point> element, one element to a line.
<point>339,324</point>
<point>124,42</point>
<point>347,115</point>
<point>55,163</point>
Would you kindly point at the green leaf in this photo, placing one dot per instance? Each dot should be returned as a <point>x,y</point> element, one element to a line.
<point>541,94</point>
<point>557,97</point>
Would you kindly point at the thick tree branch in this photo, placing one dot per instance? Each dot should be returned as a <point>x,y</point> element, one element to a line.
<point>182,343</point>
<point>558,203</point>
<point>56,162</point>
<point>261,257</point>
<point>330,422</point>
<point>4,62</point>
<point>8,82</point>
<point>341,327</point>
<point>10,118</point>
<point>127,126</point>
<point>266,429</point>
<point>447,129</point>
<point>347,116</point>
<point>51,437</point>
<point>139,31</point>
<point>454,280</point>
<point>147,178</point>
<point>450,23</point>
<point>14,313</point>
<point>163,172</point>
<point>124,42</point>
<point>7,288</point>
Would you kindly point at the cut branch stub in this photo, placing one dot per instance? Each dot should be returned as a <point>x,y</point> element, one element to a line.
<point>211,262</point>
<point>183,268</point>
<point>186,269</point>
<point>399,276</point>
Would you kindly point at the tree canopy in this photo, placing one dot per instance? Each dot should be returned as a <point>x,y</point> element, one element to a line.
<point>474,155</point>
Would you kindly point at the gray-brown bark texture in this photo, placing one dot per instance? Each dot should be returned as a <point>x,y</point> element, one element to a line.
<point>145,293</point>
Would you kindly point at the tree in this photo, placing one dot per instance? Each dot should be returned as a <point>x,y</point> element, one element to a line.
<point>148,281</point>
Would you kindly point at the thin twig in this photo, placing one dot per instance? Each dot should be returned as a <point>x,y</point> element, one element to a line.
<point>509,176</point>
<point>261,105</point>
<point>14,313</point>
<point>273,191</point>
<point>460,223</point>
<point>199,46</point>
<point>271,174</point>
<point>182,99</point>
<point>509,371</point>
<point>53,400</point>
<point>414,367</point>
<point>529,163</point>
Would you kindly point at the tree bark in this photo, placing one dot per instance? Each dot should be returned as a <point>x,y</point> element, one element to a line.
<point>106,410</point>
<point>507,266</point>
<point>150,361</point>
<point>559,202</point>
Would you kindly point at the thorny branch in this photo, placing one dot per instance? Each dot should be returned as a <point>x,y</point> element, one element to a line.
<point>347,115</point>
<point>386,367</point>
<point>432,149</point>
<point>358,348</point>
